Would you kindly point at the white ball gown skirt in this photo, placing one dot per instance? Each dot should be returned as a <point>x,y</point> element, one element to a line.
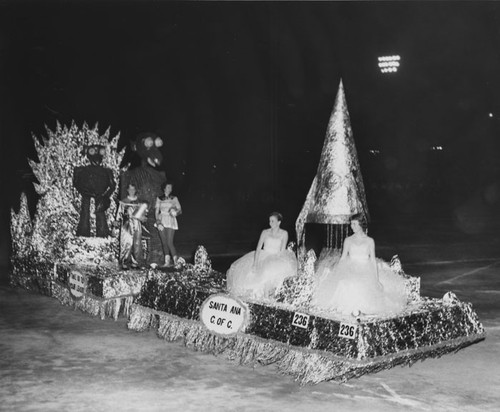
<point>260,282</point>
<point>353,285</point>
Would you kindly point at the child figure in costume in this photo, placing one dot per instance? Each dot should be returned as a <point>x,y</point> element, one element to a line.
<point>132,213</point>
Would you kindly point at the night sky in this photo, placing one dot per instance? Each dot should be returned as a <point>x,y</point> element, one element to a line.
<point>242,93</point>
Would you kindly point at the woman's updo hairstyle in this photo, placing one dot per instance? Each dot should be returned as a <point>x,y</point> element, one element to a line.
<point>163,186</point>
<point>277,215</point>
<point>362,221</point>
<point>166,183</point>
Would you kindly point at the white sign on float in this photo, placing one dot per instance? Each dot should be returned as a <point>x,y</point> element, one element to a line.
<point>77,283</point>
<point>347,330</point>
<point>224,315</point>
<point>300,320</point>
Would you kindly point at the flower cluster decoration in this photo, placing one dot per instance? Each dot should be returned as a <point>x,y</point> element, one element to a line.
<point>297,291</point>
<point>202,262</point>
<point>21,229</point>
<point>412,283</point>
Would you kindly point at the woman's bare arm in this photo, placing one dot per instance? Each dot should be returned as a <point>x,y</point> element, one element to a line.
<point>346,248</point>
<point>259,246</point>
<point>371,251</point>
<point>284,241</point>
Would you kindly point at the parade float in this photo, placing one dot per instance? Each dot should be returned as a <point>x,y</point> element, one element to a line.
<point>286,330</point>
<point>47,254</point>
<point>190,302</point>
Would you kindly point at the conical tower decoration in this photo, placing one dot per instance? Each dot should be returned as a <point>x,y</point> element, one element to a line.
<point>337,191</point>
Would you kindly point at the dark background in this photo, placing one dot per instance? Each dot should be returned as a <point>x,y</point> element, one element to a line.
<point>242,93</point>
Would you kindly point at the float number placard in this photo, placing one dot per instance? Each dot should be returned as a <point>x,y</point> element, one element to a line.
<point>77,283</point>
<point>347,330</point>
<point>300,320</point>
<point>223,315</point>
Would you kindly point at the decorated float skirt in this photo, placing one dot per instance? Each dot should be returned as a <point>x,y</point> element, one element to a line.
<point>273,267</point>
<point>354,285</point>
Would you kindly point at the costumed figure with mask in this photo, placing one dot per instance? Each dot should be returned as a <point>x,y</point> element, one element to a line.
<point>148,180</point>
<point>94,181</point>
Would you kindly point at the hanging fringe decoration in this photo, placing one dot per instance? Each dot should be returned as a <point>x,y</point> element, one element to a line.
<point>306,365</point>
<point>108,292</point>
<point>170,303</point>
<point>104,308</point>
<point>140,319</point>
<point>335,235</point>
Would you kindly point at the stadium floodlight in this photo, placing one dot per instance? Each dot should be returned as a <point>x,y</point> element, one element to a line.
<point>389,64</point>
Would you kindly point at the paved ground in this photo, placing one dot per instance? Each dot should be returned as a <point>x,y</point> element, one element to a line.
<point>53,358</point>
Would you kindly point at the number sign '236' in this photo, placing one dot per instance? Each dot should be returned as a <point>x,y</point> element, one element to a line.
<point>300,319</point>
<point>347,330</point>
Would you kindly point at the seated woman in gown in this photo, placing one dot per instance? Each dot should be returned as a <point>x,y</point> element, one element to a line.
<point>357,284</point>
<point>257,274</point>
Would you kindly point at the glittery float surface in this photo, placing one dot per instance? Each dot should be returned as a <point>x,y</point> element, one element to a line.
<point>318,350</point>
<point>337,191</point>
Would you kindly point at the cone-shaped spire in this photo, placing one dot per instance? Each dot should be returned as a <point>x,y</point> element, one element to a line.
<point>337,191</point>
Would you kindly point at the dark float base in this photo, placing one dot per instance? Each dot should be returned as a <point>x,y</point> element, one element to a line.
<point>108,292</point>
<point>170,302</point>
<point>430,328</point>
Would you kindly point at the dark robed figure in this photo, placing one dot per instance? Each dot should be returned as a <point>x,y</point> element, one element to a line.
<point>94,181</point>
<point>148,181</point>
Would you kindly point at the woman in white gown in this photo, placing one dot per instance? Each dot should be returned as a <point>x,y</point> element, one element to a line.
<point>358,284</point>
<point>259,273</point>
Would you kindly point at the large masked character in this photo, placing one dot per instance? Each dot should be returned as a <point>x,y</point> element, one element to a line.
<point>94,181</point>
<point>148,180</point>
